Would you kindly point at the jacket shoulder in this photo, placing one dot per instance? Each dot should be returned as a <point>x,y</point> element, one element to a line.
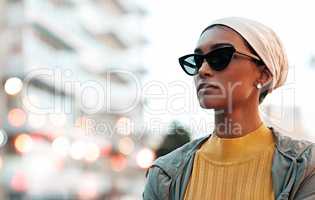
<point>291,146</point>
<point>302,150</point>
<point>170,162</point>
<point>160,173</point>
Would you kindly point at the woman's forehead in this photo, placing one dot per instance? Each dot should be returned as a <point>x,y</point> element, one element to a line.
<point>216,36</point>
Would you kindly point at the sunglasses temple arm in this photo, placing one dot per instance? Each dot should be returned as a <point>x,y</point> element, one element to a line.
<point>249,55</point>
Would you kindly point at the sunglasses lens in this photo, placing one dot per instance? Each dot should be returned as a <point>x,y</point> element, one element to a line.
<point>190,64</point>
<point>219,59</point>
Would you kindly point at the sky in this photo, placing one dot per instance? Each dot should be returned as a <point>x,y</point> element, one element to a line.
<point>174,27</point>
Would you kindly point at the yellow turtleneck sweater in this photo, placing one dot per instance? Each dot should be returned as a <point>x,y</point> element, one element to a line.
<point>233,168</point>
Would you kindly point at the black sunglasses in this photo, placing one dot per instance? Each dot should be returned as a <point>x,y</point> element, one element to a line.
<point>218,59</point>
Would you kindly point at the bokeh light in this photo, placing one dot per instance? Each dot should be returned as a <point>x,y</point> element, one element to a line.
<point>92,152</point>
<point>16,117</point>
<point>106,149</point>
<point>13,86</point>
<point>126,145</point>
<point>23,143</point>
<point>77,151</point>
<point>19,182</point>
<point>118,162</point>
<point>145,157</point>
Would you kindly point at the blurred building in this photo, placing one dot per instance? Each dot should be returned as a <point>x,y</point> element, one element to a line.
<point>71,72</point>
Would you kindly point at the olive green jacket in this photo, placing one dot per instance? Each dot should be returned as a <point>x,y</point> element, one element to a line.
<point>293,170</point>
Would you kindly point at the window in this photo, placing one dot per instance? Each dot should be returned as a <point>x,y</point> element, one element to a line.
<point>111,40</point>
<point>51,39</point>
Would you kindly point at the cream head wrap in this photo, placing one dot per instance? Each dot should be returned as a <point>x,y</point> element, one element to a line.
<point>266,44</point>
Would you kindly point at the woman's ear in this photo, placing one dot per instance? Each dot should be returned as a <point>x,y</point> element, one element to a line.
<point>265,76</point>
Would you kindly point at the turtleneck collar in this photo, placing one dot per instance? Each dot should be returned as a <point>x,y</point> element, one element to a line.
<point>237,149</point>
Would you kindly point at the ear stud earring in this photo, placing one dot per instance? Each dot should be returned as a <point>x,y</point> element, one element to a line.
<point>258,86</point>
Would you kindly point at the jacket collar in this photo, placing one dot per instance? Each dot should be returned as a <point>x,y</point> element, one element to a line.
<point>171,162</point>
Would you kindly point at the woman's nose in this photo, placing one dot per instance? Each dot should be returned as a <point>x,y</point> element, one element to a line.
<point>205,69</point>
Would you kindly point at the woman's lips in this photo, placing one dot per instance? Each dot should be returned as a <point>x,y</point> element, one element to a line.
<point>207,89</point>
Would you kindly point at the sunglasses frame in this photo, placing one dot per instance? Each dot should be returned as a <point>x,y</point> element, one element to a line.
<point>182,59</point>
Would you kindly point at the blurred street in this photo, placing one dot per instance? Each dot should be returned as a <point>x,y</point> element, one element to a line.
<point>67,113</point>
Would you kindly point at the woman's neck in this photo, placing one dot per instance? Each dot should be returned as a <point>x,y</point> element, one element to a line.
<point>236,123</point>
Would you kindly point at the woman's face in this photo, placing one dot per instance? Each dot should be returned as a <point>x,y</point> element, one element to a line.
<point>236,83</point>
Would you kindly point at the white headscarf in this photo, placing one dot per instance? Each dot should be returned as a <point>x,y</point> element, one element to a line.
<point>266,44</point>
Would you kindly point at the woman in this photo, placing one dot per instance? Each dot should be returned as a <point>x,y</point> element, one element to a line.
<point>236,63</point>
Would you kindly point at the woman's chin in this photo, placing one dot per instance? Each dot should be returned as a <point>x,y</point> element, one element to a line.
<point>212,104</point>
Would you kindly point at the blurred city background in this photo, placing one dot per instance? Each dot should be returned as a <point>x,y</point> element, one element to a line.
<point>91,92</point>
